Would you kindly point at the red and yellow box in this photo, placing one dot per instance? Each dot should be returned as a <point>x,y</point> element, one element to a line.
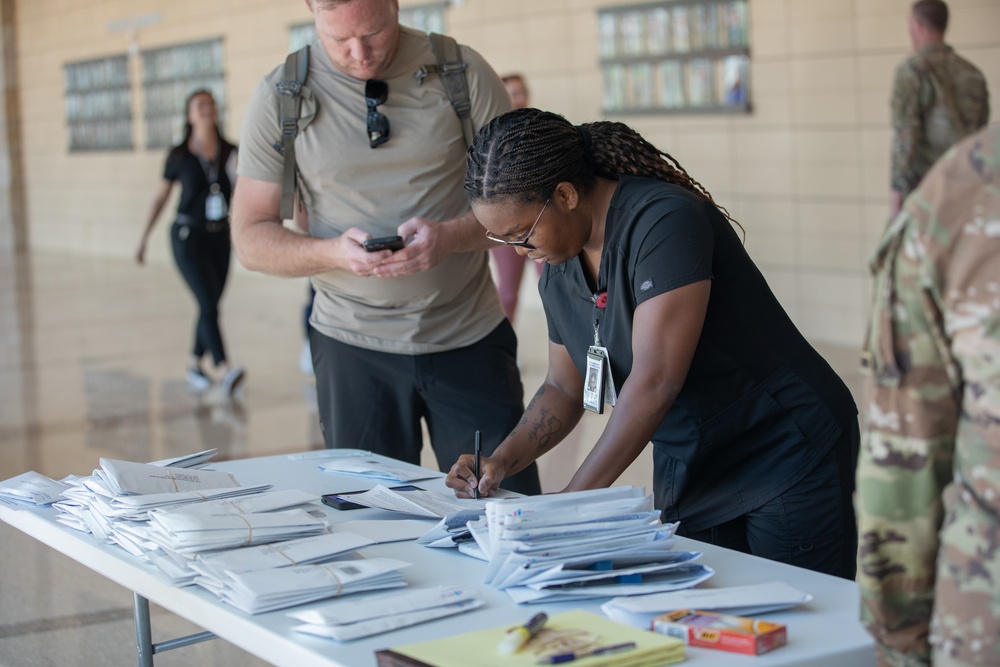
<point>707,629</point>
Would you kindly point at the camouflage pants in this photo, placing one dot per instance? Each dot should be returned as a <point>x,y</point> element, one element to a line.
<point>965,624</point>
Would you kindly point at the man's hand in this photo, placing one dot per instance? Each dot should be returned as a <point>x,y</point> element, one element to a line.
<point>429,245</point>
<point>352,255</point>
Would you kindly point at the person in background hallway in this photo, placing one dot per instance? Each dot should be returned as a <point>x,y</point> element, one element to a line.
<point>205,164</point>
<point>929,472</point>
<point>510,265</point>
<point>755,438</point>
<point>397,337</point>
<point>938,97</point>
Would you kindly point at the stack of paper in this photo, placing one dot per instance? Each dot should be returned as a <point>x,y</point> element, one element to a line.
<point>565,638</point>
<point>416,501</point>
<point>32,488</point>
<point>639,611</point>
<point>212,568</point>
<point>267,590</point>
<point>118,478</point>
<point>589,544</point>
<point>345,620</point>
<point>192,532</point>
<point>379,469</point>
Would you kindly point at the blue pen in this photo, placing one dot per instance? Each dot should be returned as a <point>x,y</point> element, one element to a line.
<point>600,650</point>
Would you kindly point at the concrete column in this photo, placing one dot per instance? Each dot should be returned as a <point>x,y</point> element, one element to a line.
<point>13,214</point>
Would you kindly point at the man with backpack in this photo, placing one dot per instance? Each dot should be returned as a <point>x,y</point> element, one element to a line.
<point>369,133</point>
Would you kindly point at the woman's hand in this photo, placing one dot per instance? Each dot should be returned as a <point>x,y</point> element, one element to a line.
<point>462,476</point>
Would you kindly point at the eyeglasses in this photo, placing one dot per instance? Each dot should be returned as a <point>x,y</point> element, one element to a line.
<point>523,242</point>
<point>376,93</point>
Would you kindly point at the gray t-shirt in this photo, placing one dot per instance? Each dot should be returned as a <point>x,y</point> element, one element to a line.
<point>418,172</point>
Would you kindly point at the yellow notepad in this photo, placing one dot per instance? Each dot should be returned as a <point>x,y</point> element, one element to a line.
<point>573,631</point>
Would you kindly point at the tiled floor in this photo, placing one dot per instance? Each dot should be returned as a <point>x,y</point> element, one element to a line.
<point>91,364</point>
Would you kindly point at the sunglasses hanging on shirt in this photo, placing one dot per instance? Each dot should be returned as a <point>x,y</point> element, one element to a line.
<point>377,124</point>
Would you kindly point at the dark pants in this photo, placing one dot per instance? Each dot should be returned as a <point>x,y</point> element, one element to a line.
<point>203,259</point>
<point>375,400</point>
<point>811,525</point>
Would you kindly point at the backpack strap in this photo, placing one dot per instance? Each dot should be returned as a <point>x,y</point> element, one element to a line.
<point>451,69</point>
<point>290,88</point>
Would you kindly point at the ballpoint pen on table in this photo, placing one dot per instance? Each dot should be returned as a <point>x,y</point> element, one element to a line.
<point>519,636</point>
<point>600,650</point>
<point>478,451</point>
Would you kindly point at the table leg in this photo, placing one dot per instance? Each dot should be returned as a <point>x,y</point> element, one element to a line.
<point>143,632</point>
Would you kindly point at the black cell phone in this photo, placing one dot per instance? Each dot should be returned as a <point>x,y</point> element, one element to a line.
<point>384,243</point>
<point>342,501</point>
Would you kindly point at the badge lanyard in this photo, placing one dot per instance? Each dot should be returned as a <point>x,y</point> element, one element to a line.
<point>598,386</point>
<point>215,203</point>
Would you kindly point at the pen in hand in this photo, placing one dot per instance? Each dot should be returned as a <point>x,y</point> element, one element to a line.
<point>478,451</point>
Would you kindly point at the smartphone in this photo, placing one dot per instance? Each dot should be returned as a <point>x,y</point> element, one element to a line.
<point>342,501</point>
<point>384,243</point>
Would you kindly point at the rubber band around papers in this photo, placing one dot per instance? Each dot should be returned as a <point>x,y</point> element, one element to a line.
<point>336,579</point>
<point>249,530</point>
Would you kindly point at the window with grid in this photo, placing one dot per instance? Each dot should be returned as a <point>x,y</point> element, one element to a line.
<point>99,104</point>
<point>169,76</point>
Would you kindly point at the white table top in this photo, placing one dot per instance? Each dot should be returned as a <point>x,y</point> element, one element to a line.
<point>824,632</point>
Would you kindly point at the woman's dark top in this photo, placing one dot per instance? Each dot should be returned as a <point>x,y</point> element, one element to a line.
<point>184,166</point>
<point>759,407</point>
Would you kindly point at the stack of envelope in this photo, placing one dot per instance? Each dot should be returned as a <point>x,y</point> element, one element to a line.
<point>267,590</point>
<point>348,619</point>
<point>211,568</point>
<point>32,489</point>
<point>588,544</point>
<point>187,532</point>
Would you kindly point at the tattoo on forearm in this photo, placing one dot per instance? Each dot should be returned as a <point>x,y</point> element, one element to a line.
<point>544,429</point>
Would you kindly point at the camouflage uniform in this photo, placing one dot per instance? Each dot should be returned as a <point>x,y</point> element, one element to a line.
<point>929,470</point>
<point>938,98</point>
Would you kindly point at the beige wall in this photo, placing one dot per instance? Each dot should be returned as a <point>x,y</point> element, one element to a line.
<point>806,173</point>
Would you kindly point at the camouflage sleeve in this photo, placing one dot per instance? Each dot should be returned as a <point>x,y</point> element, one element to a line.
<point>907,127</point>
<point>907,444</point>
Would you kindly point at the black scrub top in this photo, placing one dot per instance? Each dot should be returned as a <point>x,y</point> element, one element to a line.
<point>759,407</point>
<point>193,174</point>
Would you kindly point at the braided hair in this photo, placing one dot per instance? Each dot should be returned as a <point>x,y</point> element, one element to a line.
<point>527,152</point>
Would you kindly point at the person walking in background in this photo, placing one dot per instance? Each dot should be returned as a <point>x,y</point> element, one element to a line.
<point>938,98</point>
<point>651,298</point>
<point>205,164</point>
<point>510,265</point>
<point>398,336</point>
<point>929,471</point>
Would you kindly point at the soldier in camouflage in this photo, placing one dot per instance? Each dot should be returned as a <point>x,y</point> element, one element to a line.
<point>938,98</point>
<point>928,481</point>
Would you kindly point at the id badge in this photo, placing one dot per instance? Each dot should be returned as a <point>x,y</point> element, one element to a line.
<point>593,383</point>
<point>610,394</point>
<point>215,204</point>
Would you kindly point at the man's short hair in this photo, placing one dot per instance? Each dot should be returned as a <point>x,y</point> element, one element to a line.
<point>932,13</point>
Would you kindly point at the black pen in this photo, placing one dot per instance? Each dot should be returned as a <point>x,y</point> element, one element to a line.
<point>478,451</point>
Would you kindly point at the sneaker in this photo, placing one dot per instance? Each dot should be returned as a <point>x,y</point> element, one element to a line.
<point>232,380</point>
<point>197,380</point>
<point>306,359</point>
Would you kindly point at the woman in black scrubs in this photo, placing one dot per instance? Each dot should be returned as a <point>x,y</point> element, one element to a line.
<point>755,437</point>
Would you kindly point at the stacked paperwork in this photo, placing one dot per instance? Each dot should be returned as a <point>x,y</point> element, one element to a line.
<point>188,532</point>
<point>583,545</point>
<point>379,469</point>
<point>420,502</point>
<point>751,600</point>
<point>267,590</point>
<point>32,489</point>
<point>348,619</point>
<point>212,568</point>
